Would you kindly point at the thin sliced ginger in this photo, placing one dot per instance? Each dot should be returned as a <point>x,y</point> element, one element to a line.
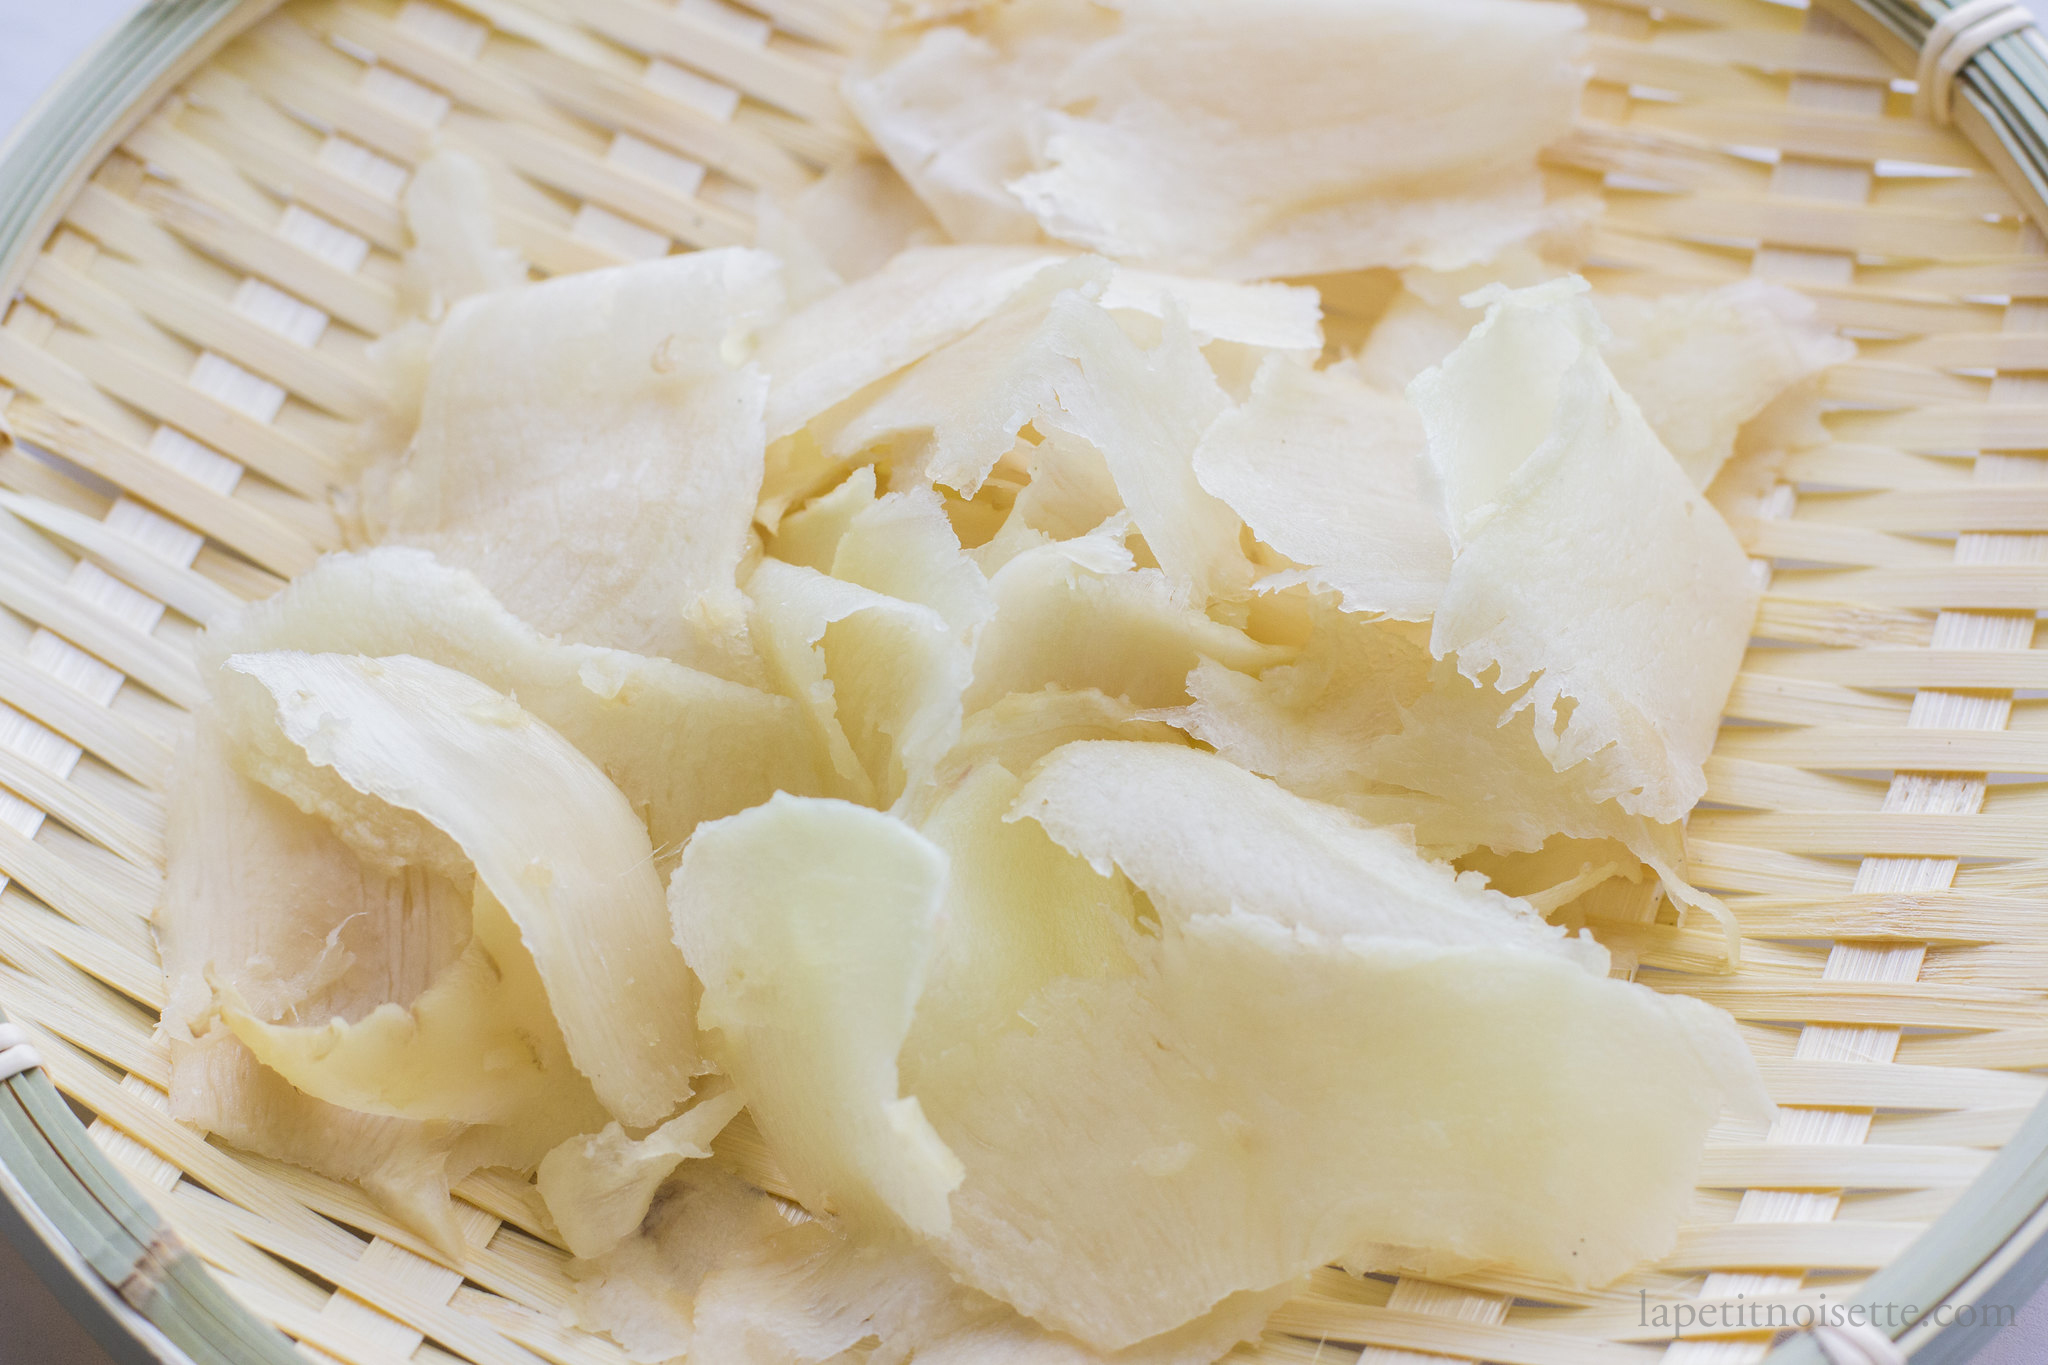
<point>959,798</point>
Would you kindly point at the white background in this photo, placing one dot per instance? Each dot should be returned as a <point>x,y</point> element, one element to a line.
<point>38,40</point>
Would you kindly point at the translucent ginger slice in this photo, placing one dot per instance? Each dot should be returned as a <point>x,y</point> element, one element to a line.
<point>1265,315</point>
<point>810,535</point>
<point>545,830</point>
<point>1146,410</point>
<point>1258,1100</point>
<point>1201,836</point>
<point>826,353</point>
<point>719,1274</point>
<point>952,108</point>
<point>1019,913</point>
<point>970,398</point>
<point>683,746</point>
<point>1071,491</point>
<point>266,901</point>
<point>1249,143</point>
<point>904,546</point>
<point>811,923</point>
<point>591,448</point>
<point>642,1291</point>
<point>1310,724</point>
<point>407,1165</point>
<point>1056,360</point>
<point>1586,564</point>
<point>455,251</point>
<point>1333,475</point>
<point>1024,727</point>
<point>1078,615</point>
<point>599,1186</point>
<point>880,679</point>
<point>1700,364</point>
<point>1433,311</point>
<point>479,1045</point>
<point>1472,774</point>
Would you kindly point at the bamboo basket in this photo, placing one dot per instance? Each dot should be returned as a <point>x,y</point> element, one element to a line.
<point>198,240</point>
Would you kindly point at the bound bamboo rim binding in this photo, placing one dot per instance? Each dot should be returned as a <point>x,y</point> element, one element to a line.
<point>159,211</point>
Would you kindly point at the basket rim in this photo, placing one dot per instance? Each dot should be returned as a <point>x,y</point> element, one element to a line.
<point>76,1219</point>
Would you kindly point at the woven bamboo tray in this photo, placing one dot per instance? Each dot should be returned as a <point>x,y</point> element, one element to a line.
<point>198,240</point>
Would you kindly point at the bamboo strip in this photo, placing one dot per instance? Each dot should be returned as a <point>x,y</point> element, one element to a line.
<point>118,741</point>
<point>211,325</point>
<point>91,627</point>
<point>1806,701</point>
<point>1900,833</point>
<point>1808,620</point>
<point>1875,747</point>
<point>181,589</point>
<point>42,788</point>
<point>1867,1085</point>
<point>1866,1004</point>
<point>1791,1246</point>
<point>174,402</point>
<point>1829,1166</point>
<point>1362,1323</point>
<point>360,302</point>
<point>1822,543</point>
<point>1923,916</point>
<point>293,174</point>
<point>232,522</point>
<point>1967,587</point>
<point>68,296</point>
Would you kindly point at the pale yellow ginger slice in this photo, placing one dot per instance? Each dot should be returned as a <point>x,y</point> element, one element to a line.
<point>1146,411</point>
<point>402,741</point>
<point>591,449</point>
<point>1332,474</point>
<point>1311,723</point>
<point>407,1165</point>
<point>1019,913</point>
<point>599,1186</point>
<point>718,1274</point>
<point>1433,311</point>
<point>968,400</point>
<point>1055,359</point>
<point>1266,315</point>
<point>1201,836</point>
<point>1078,615</point>
<point>1308,137</point>
<point>811,924</point>
<point>880,679</point>
<point>267,901</point>
<point>904,546</point>
<point>825,354</point>
<point>1471,774</point>
<point>1024,727</point>
<point>810,535</point>
<point>952,107</point>
<point>857,216</point>
<point>1258,1100</point>
<point>642,1291</point>
<point>1701,364</point>
<point>1469,757</point>
<point>1071,491</point>
<point>1587,568</point>
<point>683,746</point>
<point>455,250</point>
<point>478,1045</point>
